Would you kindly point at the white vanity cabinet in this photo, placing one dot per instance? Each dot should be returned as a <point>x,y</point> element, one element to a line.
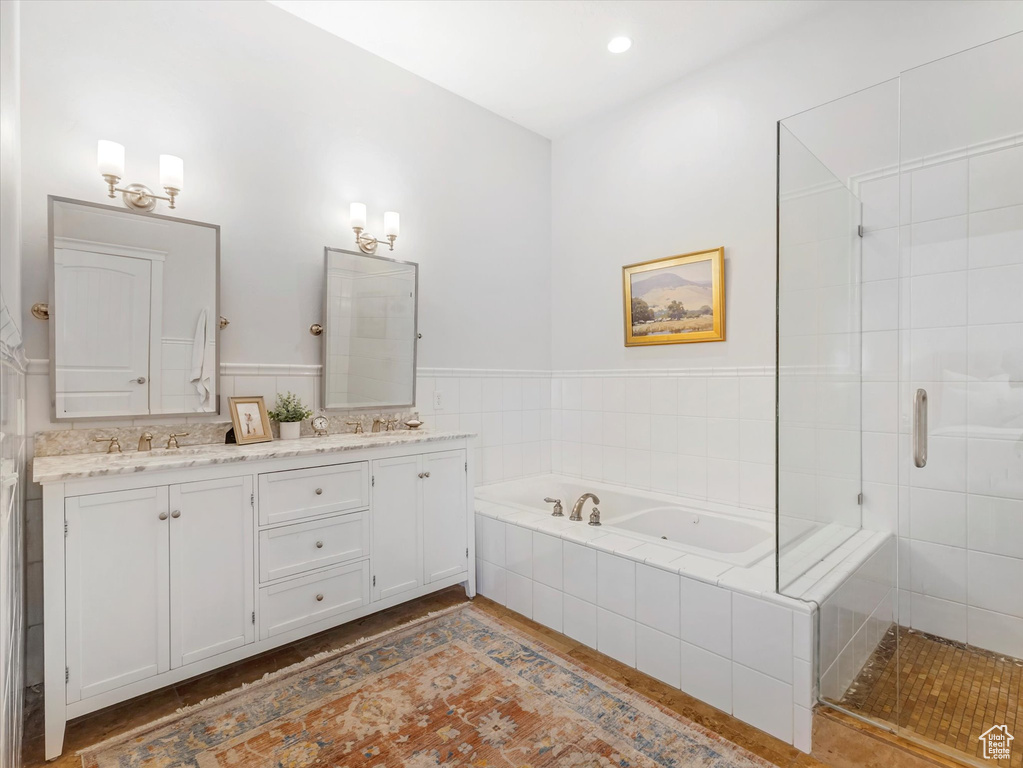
<point>156,578</point>
<point>118,589</point>
<point>161,567</point>
<point>211,588</point>
<point>418,528</point>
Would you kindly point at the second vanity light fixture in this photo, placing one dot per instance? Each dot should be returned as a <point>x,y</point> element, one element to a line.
<point>139,197</point>
<point>366,242</point>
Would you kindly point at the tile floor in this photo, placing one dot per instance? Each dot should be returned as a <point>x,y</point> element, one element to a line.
<point>838,744</point>
<point>944,691</point>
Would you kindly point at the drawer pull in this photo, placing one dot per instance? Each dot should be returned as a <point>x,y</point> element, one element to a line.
<point>319,545</point>
<point>424,474</point>
<point>176,514</point>
<point>163,515</point>
<point>319,598</point>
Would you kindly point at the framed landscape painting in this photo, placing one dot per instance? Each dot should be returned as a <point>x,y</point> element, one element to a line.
<point>675,300</point>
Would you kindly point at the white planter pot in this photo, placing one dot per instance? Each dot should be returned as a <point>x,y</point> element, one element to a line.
<point>291,430</point>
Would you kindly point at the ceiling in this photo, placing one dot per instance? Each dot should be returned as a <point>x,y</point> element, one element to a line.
<point>544,63</point>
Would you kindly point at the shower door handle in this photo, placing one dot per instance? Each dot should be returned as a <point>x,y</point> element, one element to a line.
<point>920,428</point>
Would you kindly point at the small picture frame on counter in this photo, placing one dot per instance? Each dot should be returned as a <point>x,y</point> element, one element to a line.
<point>250,420</point>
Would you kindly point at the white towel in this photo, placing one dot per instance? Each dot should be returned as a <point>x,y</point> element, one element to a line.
<point>200,375</point>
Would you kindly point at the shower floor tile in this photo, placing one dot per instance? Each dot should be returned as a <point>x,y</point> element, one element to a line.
<point>945,692</point>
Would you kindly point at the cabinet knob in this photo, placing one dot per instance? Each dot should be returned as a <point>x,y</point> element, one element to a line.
<point>421,475</point>
<point>319,598</point>
<point>319,545</point>
<point>426,474</point>
<point>176,513</point>
<point>319,491</point>
<point>163,515</point>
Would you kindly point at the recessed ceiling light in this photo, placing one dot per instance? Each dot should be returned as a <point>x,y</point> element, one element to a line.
<point>619,45</point>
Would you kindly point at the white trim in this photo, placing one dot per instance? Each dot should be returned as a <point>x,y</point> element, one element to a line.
<point>112,249</point>
<point>929,161</point>
<point>40,366</point>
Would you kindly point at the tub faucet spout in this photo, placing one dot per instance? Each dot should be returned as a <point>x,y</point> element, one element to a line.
<point>577,508</point>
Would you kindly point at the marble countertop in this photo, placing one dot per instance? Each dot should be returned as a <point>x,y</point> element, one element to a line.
<point>56,469</point>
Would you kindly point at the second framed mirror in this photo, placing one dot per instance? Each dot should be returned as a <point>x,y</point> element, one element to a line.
<point>370,331</point>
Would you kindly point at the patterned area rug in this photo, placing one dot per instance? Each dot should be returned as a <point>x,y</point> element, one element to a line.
<point>462,690</point>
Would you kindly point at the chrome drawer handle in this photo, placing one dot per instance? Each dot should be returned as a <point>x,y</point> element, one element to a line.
<point>319,491</point>
<point>319,598</point>
<point>319,545</point>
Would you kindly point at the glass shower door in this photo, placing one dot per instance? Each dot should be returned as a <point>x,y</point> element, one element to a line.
<point>960,642</point>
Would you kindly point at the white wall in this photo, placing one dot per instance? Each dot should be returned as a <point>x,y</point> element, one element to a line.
<point>281,125</point>
<point>692,166</point>
<point>10,162</point>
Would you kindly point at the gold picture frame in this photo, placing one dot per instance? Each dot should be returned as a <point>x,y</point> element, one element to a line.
<point>675,300</point>
<point>250,420</point>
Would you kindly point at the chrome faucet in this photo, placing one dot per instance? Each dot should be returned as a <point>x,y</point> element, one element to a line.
<point>146,441</point>
<point>577,508</point>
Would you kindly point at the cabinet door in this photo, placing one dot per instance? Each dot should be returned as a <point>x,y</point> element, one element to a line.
<point>117,590</point>
<point>212,576</point>
<point>444,523</point>
<point>397,526</point>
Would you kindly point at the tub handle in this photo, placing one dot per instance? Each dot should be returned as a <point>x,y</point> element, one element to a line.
<point>559,511</point>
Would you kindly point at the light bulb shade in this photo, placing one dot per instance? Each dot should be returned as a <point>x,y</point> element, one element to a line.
<point>390,224</point>
<point>357,213</point>
<point>172,172</point>
<point>110,158</point>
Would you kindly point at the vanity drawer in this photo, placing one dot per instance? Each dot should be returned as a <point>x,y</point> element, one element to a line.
<point>309,599</point>
<point>303,547</point>
<point>295,494</point>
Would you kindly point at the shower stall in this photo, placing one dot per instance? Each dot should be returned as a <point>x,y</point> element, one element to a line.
<point>900,398</point>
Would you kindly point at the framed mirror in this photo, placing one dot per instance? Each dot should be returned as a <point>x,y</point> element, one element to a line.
<point>370,333</point>
<point>134,313</point>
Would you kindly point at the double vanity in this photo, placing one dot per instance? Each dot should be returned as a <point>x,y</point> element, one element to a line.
<point>163,565</point>
<point>160,565</point>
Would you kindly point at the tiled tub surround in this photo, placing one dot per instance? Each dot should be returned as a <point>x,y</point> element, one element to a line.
<point>716,630</point>
<point>960,519</point>
<point>701,433</point>
<point>746,651</point>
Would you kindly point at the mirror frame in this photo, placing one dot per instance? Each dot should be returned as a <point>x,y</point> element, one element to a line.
<point>51,200</point>
<point>326,330</point>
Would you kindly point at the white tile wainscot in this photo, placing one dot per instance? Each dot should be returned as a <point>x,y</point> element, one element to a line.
<point>716,632</point>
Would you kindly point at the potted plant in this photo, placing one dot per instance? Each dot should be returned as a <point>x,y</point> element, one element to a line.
<point>289,414</point>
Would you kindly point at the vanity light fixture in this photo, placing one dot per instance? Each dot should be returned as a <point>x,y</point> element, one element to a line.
<point>138,197</point>
<point>366,242</point>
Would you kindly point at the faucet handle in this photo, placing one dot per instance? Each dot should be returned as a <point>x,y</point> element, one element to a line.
<point>391,425</point>
<point>115,444</point>
<point>558,509</point>
<point>172,441</point>
<point>595,517</point>
<point>357,425</point>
